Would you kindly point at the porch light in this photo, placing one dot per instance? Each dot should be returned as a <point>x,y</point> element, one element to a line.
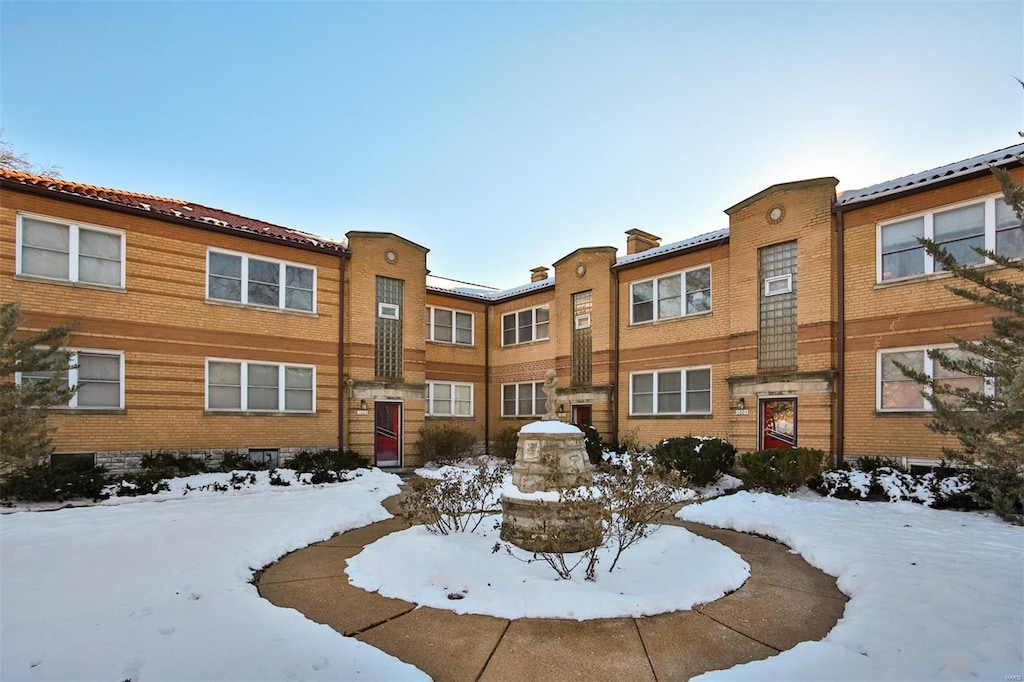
<point>362,404</point>
<point>741,404</point>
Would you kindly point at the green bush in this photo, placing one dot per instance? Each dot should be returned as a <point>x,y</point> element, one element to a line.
<point>170,465</point>
<point>505,442</point>
<point>592,441</point>
<point>869,464</point>
<point>1000,489</point>
<point>54,482</point>
<point>134,484</point>
<point>241,461</point>
<point>321,463</point>
<point>701,461</point>
<point>781,470</point>
<point>444,442</point>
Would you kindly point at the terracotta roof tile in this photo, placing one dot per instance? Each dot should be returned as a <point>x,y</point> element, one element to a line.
<point>177,208</point>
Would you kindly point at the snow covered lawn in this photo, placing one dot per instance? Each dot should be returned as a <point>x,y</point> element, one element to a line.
<point>159,590</point>
<point>933,594</point>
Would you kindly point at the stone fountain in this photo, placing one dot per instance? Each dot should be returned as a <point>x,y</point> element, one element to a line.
<point>551,457</point>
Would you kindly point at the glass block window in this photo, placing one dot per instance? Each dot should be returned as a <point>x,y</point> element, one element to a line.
<point>776,348</point>
<point>582,306</point>
<point>388,333</point>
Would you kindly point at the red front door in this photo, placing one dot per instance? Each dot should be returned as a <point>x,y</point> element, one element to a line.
<point>582,415</point>
<point>387,442</point>
<point>778,423</point>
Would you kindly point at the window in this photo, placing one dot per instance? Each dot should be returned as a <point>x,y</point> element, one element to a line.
<point>672,391</point>
<point>899,393</point>
<point>987,224</point>
<point>523,400</point>
<point>388,332</point>
<point>670,296</point>
<point>524,326</point>
<point>387,311</point>
<point>70,252</point>
<point>776,333</point>
<point>98,374</point>
<point>252,280</point>
<point>582,338</point>
<point>447,399</point>
<point>781,284</point>
<point>239,385</point>
<point>449,326</point>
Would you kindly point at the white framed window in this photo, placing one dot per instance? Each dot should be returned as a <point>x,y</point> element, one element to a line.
<point>524,326</point>
<point>677,294</point>
<point>388,311</point>
<point>449,399</point>
<point>988,223</point>
<point>259,281</point>
<point>523,400</point>
<point>583,321</point>
<point>897,392</point>
<point>670,391</point>
<point>98,374</point>
<point>449,326</point>
<point>250,386</point>
<point>782,284</point>
<point>69,252</point>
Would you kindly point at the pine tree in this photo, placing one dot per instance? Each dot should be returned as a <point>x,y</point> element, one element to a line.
<point>24,436</point>
<point>987,422</point>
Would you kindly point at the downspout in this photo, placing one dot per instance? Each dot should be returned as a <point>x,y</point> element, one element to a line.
<point>342,387</point>
<point>841,341</point>
<point>487,379</point>
<point>615,358</point>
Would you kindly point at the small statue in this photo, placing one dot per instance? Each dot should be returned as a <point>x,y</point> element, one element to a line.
<point>550,386</point>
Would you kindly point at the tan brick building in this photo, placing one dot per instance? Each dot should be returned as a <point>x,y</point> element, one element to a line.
<point>200,330</point>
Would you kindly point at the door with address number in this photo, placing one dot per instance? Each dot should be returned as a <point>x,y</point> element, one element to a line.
<point>778,423</point>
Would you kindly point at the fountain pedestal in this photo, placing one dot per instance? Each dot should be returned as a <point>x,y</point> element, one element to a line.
<point>550,458</point>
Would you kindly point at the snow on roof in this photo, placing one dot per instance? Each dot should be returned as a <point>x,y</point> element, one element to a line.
<point>455,286</point>
<point>692,242</point>
<point>155,205</point>
<point>1000,157</point>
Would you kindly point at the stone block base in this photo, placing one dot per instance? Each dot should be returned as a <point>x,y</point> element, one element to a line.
<point>543,526</point>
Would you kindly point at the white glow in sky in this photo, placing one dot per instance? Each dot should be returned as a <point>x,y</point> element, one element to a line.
<point>476,129</point>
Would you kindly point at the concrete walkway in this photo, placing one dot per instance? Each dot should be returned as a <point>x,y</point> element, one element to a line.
<point>784,602</point>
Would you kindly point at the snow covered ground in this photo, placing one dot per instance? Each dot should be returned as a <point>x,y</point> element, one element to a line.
<point>157,587</point>
<point>933,594</point>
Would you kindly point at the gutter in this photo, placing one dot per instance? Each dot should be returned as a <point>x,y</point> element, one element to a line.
<point>342,413</point>
<point>487,379</point>
<point>615,361</point>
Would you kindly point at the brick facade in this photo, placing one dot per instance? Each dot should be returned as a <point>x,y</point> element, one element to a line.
<point>167,328</point>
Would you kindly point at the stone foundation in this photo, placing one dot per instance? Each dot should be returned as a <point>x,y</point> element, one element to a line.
<point>551,461</point>
<point>128,461</point>
<point>541,526</point>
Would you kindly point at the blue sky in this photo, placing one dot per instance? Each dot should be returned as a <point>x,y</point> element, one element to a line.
<point>502,136</point>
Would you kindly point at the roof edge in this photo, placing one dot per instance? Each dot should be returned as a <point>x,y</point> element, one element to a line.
<point>782,186</point>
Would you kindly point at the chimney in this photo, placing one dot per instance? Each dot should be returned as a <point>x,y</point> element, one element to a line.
<point>538,274</point>
<point>638,241</point>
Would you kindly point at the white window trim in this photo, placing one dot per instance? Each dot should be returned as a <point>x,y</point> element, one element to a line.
<point>929,233</point>
<point>73,255</point>
<point>929,369</point>
<point>389,311</point>
<point>282,264</point>
<point>517,384</point>
<point>683,386</point>
<point>73,378</point>
<point>788,279</point>
<point>454,311</point>
<point>583,321</point>
<point>451,400</point>
<point>244,386</point>
<point>515,313</point>
<point>682,302</point>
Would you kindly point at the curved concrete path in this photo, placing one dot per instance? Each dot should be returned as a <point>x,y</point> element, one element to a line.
<point>784,602</point>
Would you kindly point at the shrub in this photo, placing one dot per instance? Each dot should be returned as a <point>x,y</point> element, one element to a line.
<point>326,466</point>
<point>132,485</point>
<point>170,465</point>
<point>457,502</point>
<point>781,470</point>
<point>54,482</point>
<point>940,488</point>
<point>869,464</point>
<point>444,442</point>
<point>1001,489</point>
<point>629,444</point>
<point>241,461</point>
<point>702,461</point>
<point>592,441</point>
<point>505,442</point>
